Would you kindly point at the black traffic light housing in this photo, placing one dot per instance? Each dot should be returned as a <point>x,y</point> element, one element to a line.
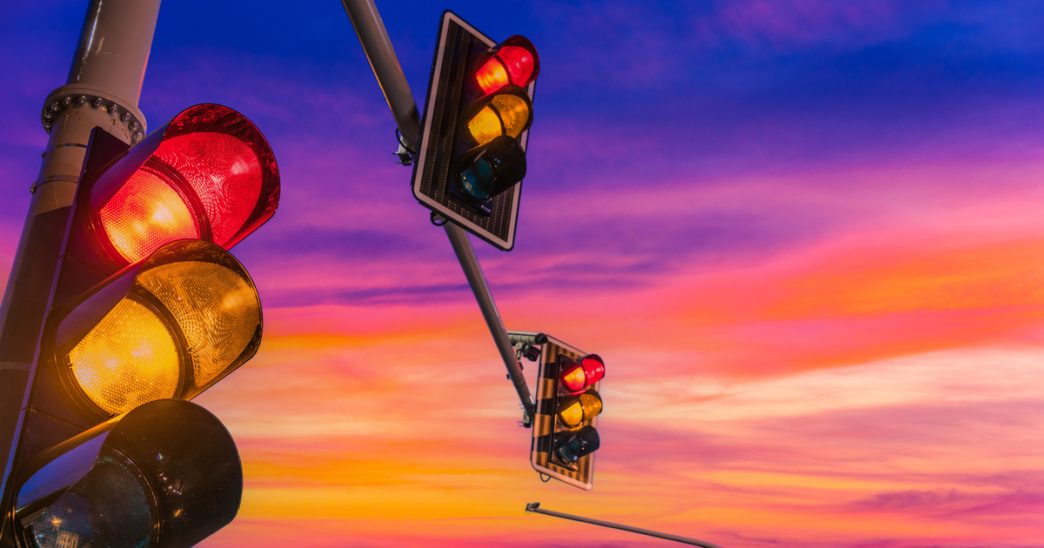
<point>476,183</point>
<point>568,404</point>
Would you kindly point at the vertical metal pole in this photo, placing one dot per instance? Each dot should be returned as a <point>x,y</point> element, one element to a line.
<point>385,64</point>
<point>102,90</point>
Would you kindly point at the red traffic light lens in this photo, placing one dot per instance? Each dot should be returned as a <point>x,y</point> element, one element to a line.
<point>168,327</point>
<point>146,213</point>
<point>514,61</point>
<point>209,174</point>
<point>506,113</point>
<point>578,376</point>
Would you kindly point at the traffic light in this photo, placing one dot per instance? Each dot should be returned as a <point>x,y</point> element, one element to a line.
<point>165,474</point>
<point>147,306</point>
<point>472,155</point>
<point>568,405</point>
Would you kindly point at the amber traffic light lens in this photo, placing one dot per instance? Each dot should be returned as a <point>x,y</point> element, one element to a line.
<point>208,174</point>
<point>217,310</point>
<point>504,114</point>
<point>127,359</point>
<point>578,376</point>
<point>168,327</point>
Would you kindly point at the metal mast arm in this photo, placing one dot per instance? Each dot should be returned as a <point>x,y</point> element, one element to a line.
<point>535,508</point>
<point>377,46</point>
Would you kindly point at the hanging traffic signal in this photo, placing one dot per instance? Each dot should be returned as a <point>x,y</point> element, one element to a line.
<point>567,409</point>
<point>147,306</point>
<point>479,110</point>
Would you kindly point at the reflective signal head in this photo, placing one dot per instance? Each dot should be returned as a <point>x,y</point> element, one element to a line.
<point>513,61</point>
<point>168,327</point>
<point>583,373</point>
<point>508,112</point>
<point>209,174</point>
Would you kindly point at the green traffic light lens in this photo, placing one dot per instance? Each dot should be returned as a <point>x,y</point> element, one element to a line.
<point>478,179</point>
<point>572,446</point>
<point>493,169</point>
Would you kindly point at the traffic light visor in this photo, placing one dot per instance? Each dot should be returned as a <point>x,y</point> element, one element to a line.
<point>514,61</point>
<point>168,327</point>
<point>208,174</point>
<point>579,375</point>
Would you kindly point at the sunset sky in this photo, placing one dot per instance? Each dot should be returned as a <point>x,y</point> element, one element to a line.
<point>806,236</point>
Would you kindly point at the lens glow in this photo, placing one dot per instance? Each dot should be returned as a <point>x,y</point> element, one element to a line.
<point>216,309</point>
<point>581,409</point>
<point>505,114</point>
<point>129,358</point>
<point>514,112</point>
<point>223,171</point>
<point>492,75</point>
<point>485,126</point>
<point>144,214</point>
<point>519,63</point>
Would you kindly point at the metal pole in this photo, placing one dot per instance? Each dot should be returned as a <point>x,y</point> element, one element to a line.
<point>469,263</point>
<point>535,508</point>
<point>102,90</point>
<point>377,46</point>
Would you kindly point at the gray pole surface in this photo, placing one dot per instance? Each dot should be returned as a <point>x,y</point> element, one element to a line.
<point>535,508</point>
<point>102,90</point>
<point>377,46</point>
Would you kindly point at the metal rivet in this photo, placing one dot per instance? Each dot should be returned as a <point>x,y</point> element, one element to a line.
<point>80,100</point>
<point>97,102</point>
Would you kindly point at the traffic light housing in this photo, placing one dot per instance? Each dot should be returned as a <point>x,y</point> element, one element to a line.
<point>165,474</point>
<point>472,155</point>
<point>565,437</point>
<point>147,304</point>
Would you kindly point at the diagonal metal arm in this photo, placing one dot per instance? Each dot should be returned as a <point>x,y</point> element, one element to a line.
<point>535,508</point>
<point>377,46</point>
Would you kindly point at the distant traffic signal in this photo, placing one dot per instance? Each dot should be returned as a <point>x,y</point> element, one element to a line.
<point>472,153</point>
<point>147,305</point>
<point>568,405</point>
